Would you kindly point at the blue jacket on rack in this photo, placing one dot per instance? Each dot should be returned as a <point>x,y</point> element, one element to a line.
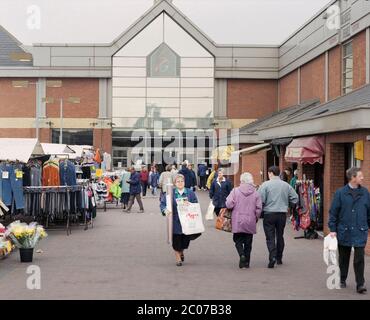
<point>67,173</point>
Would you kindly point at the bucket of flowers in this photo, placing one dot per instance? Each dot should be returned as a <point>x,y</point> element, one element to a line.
<point>25,237</point>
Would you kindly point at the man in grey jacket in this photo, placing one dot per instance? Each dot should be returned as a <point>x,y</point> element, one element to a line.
<point>277,196</point>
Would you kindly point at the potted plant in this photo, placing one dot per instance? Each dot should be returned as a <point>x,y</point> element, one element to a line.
<point>25,237</point>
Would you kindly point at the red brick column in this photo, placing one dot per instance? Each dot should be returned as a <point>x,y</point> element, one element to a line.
<point>103,139</point>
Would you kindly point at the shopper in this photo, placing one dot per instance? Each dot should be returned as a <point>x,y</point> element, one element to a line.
<point>180,241</point>
<point>349,221</point>
<point>220,190</point>
<point>294,180</point>
<point>202,174</point>
<point>187,174</point>
<point>246,204</point>
<point>193,177</point>
<point>144,177</point>
<point>164,178</point>
<point>174,170</point>
<point>154,180</point>
<point>125,188</point>
<point>289,173</point>
<point>212,177</point>
<point>277,196</point>
<point>135,190</point>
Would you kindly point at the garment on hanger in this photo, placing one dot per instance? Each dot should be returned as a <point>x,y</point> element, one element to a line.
<point>50,173</point>
<point>67,173</point>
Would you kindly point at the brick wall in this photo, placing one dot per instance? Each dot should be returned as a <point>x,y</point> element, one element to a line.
<point>251,99</point>
<point>288,90</point>
<point>17,102</point>
<point>85,89</point>
<point>254,164</point>
<point>103,139</point>
<point>313,80</point>
<point>359,60</point>
<point>335,72</point>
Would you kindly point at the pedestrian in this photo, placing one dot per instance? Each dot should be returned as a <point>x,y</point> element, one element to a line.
<point>193,177</point>
<point>144,177</point>
<point>164,178</point>
<point>202,174</point>
<point>289,173</point>
<point>135,190</point>
<point>180,241</point>
<point>212,177</point>
<point>187,174</point>
<point>174,170</point>
<point>125,188</point>
<point>284,177</point>
<point>154,180</point>
<point>294,180</point>
<point>277,196</point>
<point>246,205</point>
<point>349,221</point>
<point>220,190</point>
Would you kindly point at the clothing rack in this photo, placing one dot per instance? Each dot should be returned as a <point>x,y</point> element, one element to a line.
<point>59,203</point>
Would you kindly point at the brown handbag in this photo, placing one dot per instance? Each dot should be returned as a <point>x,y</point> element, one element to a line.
<point>223,221</point>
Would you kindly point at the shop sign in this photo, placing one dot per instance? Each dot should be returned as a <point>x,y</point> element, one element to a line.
<point>359,150</point>
<point>294,152</point>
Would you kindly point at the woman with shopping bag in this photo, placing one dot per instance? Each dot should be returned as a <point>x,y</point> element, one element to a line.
<point>181,197</point>
<point>246,205</point>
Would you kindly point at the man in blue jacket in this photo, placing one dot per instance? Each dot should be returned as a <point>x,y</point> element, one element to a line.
<point>202,173</point>
<point>135,190</point>
<point>349,221</point>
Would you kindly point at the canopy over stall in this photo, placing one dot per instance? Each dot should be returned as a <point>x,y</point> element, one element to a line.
<point>79,150</point>
<point>17,149</point>
<point>306,150</point>
<point>56,149</point>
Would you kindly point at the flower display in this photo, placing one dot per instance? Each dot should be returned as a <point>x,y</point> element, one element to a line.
<point>24,235</point>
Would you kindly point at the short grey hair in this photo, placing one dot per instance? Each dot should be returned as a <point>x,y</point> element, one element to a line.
<point>246,177</point>
<point>352,173</point>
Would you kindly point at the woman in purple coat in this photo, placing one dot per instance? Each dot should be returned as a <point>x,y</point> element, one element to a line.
<point>246,204</point>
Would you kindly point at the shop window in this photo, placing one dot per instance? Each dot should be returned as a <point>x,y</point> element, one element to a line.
<point>347,68</point>
<point>79,137</point>
<point>163,62</point>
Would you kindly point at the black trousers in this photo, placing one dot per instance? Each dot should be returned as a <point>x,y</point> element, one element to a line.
<point>144,186</point>
<point>202,182</point>
<point>358,263</point>
<point>243,244</point>
<point>274,225</point>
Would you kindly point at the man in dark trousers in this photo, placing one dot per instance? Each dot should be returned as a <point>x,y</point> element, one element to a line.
<point>202,173</point>
<point>135,190</point>
<point>277,196</point>
<point>349,221</point>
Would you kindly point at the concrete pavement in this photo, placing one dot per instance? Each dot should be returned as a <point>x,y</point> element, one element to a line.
<point>126,256</point>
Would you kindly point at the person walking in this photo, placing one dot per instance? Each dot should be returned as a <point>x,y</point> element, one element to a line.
<point>164,178</point>
<point>144,177</point>
<point>220,190</point>
<point>212,177</point>
<point>154,179</point>
<point>187,174</point>
<point>125,188</point>
<point>193,177</point>
<point>202,174</point>
<point>349,221</point>
<point>135,190</point>
<point>246,205</point>
<point>180,241</point>
<point>277,196</point>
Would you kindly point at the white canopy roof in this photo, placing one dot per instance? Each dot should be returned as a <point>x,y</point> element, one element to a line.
<point>19,149</point>
<point>56,149</point>
<point>79,150</point>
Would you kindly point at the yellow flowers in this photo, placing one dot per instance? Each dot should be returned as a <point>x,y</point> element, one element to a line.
<point>24,235</point>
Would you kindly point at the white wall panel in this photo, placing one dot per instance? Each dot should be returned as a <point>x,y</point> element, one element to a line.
<point>129,107</point>
<point>197,92</point>
<point>163,92</point>
<point>129,62</point>
<point>197,62</point>
<point>163,82</point>
<point>197,82</point>
<point>164,102</point>
<point>197,72</point>
<point>129,92</point>
<point>194,108</point>
<point>129,72</point>
<point>129,82</point>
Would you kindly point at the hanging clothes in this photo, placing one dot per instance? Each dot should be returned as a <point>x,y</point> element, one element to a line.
<point>11,185</point>
<point>67,173</point>
<point>50,173</point>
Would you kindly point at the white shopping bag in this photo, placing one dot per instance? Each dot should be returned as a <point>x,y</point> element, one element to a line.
<point>210,211</point>
<point>190,217</point>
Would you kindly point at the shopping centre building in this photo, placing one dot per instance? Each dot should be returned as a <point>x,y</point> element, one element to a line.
<point>164,73</point>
